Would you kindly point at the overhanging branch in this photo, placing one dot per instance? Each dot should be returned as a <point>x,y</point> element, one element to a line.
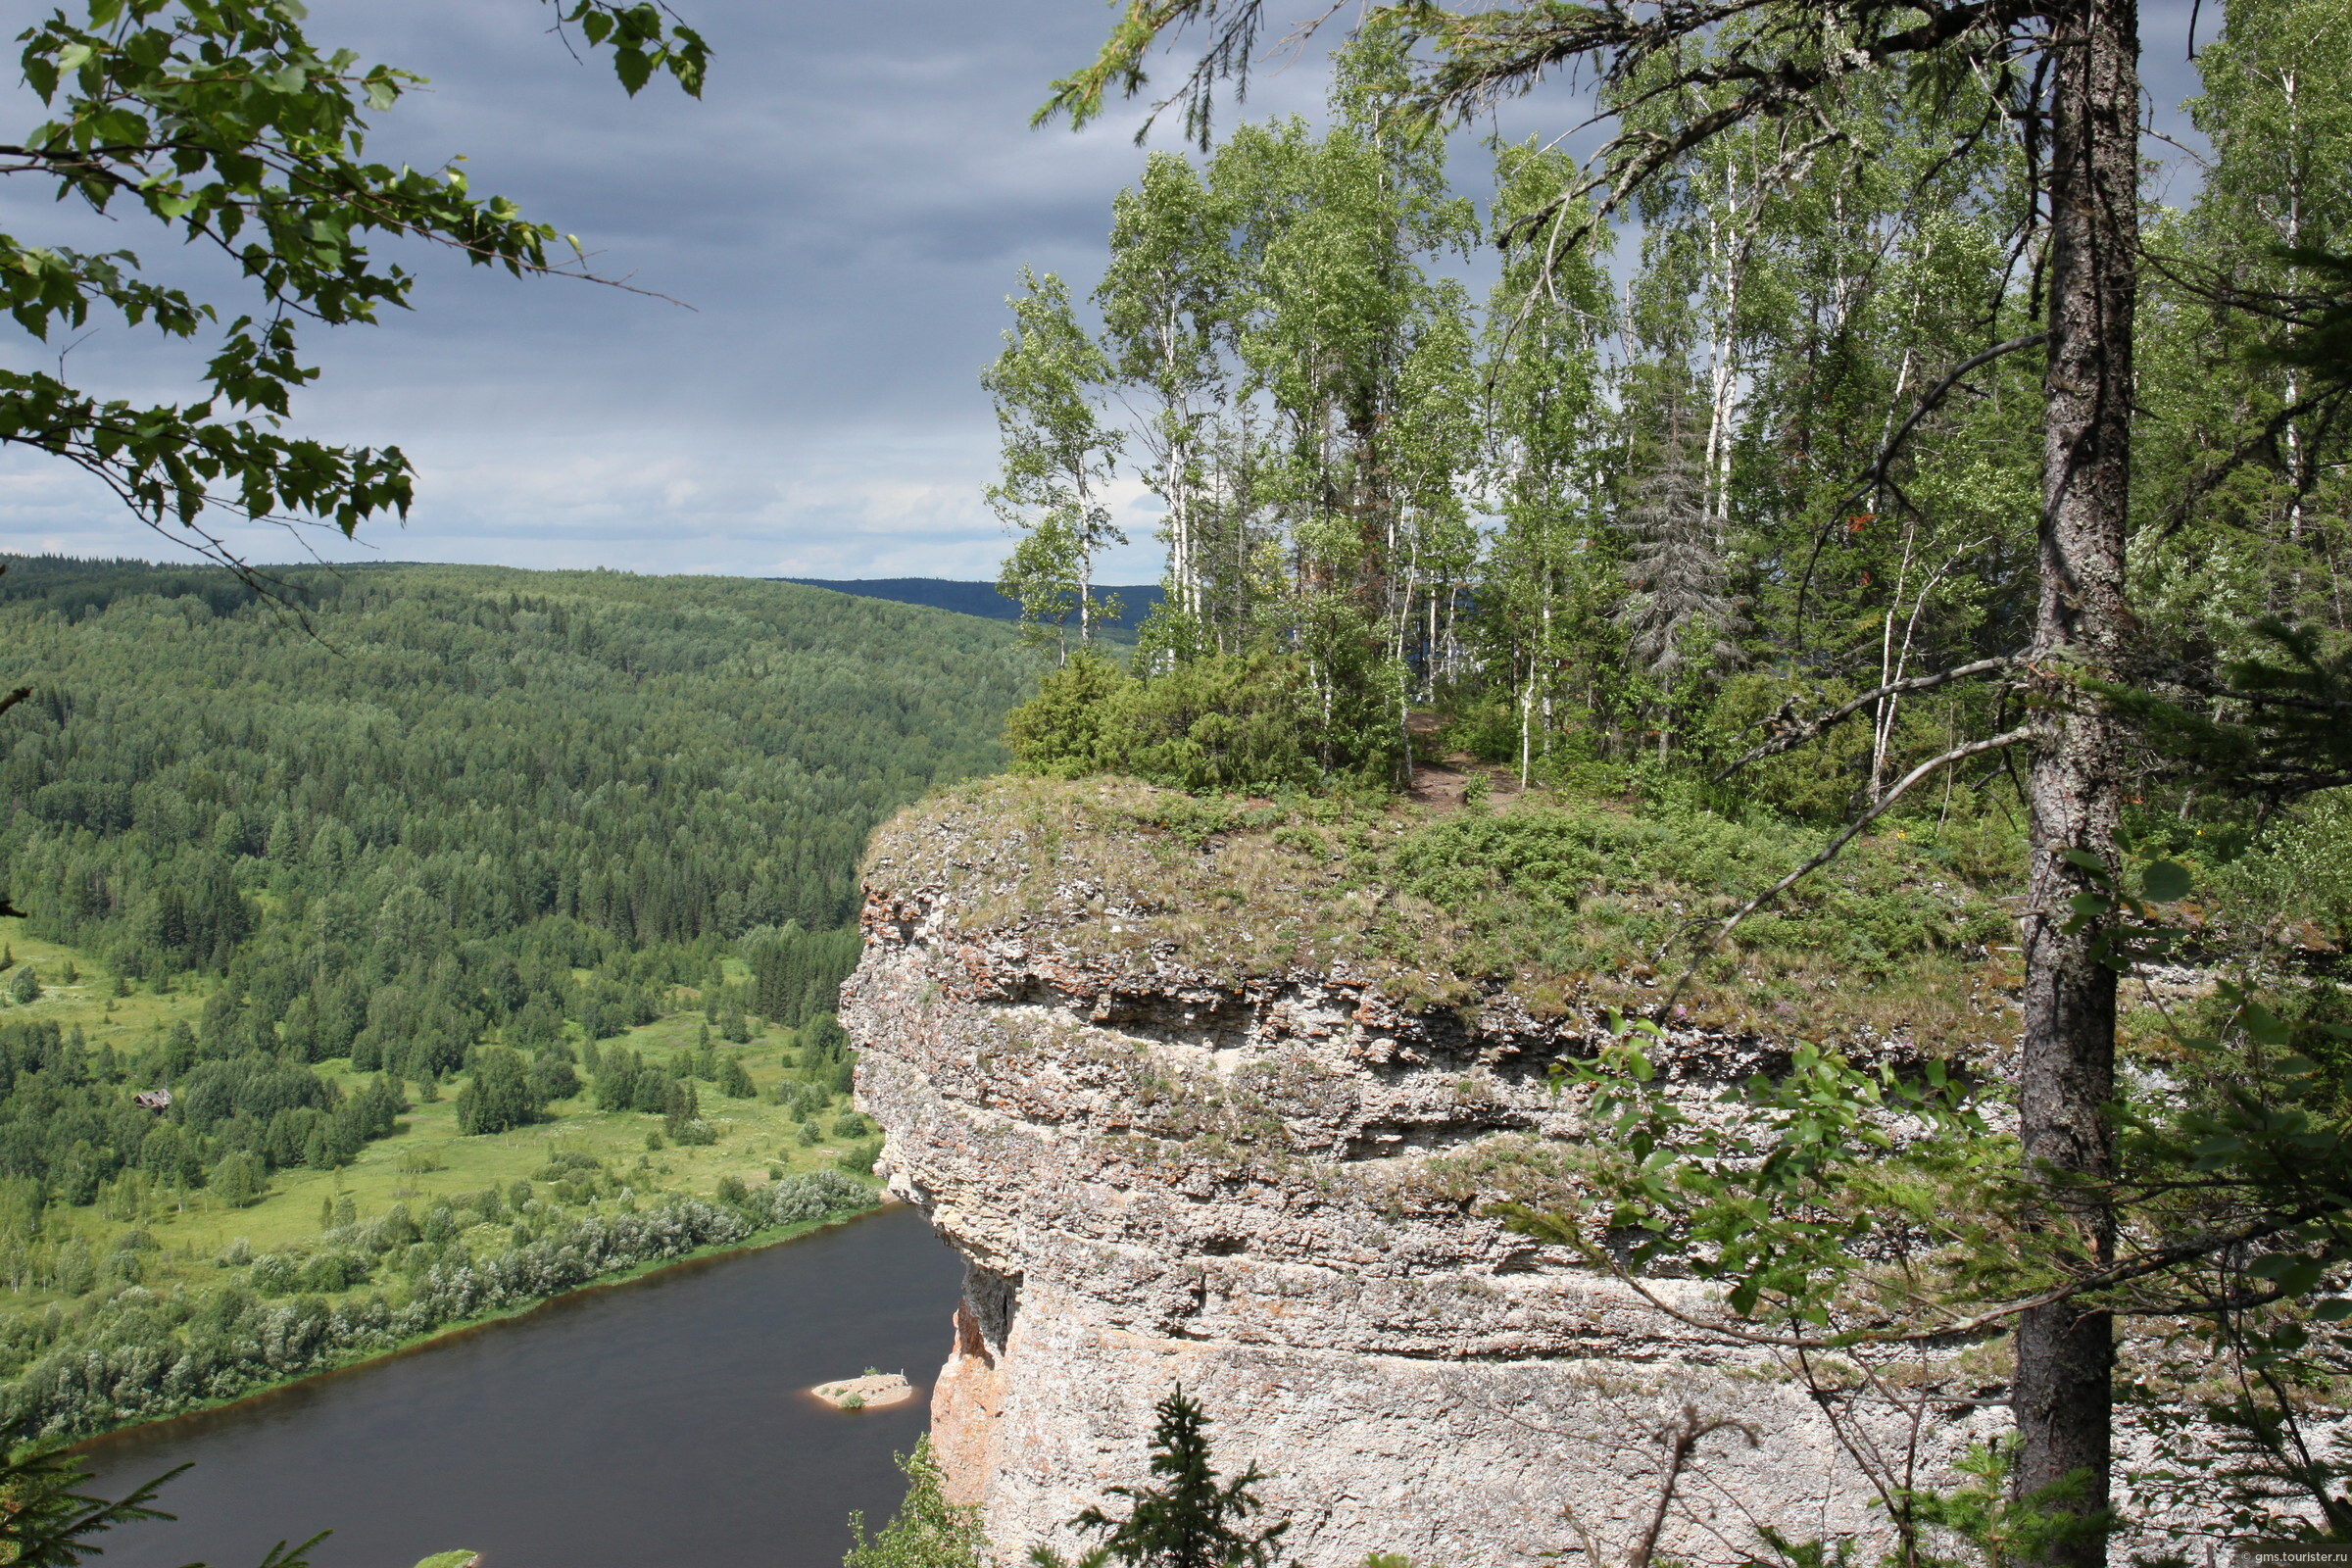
<point>1875,473</point>
<point>1958,753</point>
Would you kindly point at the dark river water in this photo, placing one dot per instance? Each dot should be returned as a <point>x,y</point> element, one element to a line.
<point>654,1423</point>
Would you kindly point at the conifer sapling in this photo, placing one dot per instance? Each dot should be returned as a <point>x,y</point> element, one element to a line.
<point>1191,1521</point>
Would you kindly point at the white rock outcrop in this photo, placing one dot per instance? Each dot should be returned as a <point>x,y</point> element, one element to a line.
<point>1272,1187</point>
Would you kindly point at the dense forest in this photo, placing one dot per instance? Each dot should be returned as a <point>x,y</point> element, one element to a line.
<point>402,817</point>
<point>1771,439</point>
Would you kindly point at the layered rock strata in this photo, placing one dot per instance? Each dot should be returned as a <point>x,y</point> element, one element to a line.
<point>1268,1183</point>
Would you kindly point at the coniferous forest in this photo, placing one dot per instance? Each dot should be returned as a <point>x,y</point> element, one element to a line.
<point>391,847</point>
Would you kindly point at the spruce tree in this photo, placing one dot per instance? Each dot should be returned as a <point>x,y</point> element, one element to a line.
<point>1190,1520</point>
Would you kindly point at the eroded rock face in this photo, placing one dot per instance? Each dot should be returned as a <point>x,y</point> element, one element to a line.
<point>1269,1187</point>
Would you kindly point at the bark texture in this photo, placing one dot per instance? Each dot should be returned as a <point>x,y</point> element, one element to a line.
<point>2066,1354</point>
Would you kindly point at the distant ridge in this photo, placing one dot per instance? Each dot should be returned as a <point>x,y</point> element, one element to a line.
<point>973,598</point>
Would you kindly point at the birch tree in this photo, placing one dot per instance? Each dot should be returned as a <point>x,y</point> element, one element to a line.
<point>1168,299</point>
<point>1544,584</point>
<point>1057,459</point>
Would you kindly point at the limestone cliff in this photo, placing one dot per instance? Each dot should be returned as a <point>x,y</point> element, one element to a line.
<point>1131,1069</point>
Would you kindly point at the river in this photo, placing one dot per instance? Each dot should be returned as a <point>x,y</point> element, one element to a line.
<point>662,1421</point>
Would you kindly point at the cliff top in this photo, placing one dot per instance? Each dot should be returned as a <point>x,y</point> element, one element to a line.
<point>1566,901</point>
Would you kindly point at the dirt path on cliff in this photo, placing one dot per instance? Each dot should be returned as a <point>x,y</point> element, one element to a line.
<point>1442,785</point>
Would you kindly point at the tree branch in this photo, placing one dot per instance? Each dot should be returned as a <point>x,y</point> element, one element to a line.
<point>1789,738</point>
<point>2264,443</point>
<point>2123,1273</point>
<point>1875,473</point>
<point>1957,754</point>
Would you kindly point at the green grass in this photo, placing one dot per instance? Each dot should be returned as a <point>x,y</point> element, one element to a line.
<point>106,1019</point>
<point>1559,900</point>
<point>426,1162</point>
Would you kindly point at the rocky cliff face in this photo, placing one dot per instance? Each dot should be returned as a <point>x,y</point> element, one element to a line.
<point>1198,1149</point>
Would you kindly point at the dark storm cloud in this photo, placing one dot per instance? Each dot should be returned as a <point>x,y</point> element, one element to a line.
<point>844,209</point>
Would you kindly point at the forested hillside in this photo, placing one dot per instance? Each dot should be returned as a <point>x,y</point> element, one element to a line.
<point>388,947</point>
<point>414,810</point>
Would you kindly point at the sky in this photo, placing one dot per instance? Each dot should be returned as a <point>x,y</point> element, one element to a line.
<point>838,219</point>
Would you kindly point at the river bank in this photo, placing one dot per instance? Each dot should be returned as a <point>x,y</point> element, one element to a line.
<point>360,1361</point>
<point>664,1421</point>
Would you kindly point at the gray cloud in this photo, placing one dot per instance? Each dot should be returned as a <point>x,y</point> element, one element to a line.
<point>844,211</point>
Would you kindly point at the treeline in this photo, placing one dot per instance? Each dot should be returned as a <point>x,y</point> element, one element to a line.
<point>1591,524</point>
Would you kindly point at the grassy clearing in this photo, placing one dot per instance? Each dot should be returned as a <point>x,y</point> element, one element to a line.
<point>89,999</point>
<point>428,1162</point>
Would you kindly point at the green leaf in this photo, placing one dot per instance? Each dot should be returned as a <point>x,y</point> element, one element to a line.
<point>2262,1026</point>
<point>633,66</point>
<point>2166,882</point>
<point>2291,1272</point>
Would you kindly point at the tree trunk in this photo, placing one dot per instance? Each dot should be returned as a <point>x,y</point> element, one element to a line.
<point>2066,1354</point>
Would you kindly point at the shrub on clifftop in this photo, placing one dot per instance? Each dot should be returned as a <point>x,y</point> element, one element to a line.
<point>1248,725</point>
